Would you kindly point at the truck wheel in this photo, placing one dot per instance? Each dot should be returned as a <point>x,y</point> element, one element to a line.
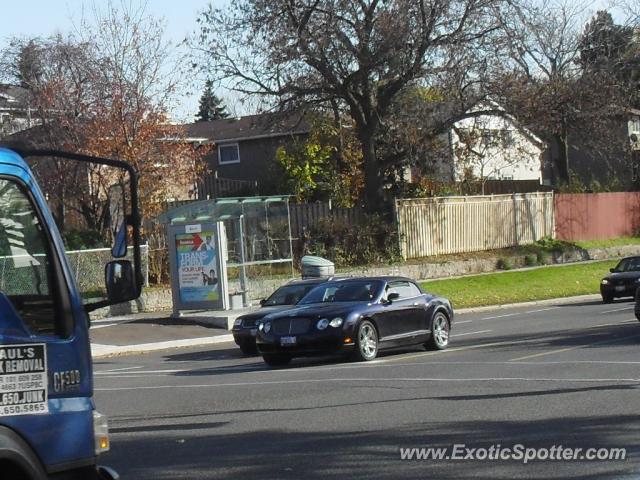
<point>13,471</point>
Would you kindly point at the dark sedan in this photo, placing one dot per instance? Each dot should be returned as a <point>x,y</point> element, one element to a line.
<point>284,298</point>
<point>358,316</point>
<point>622,281</point>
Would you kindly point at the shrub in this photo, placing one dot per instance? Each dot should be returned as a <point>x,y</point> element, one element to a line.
<point>549,244</point>
<point>530,260</point>
<point>158,256</point>
<point>372,240</point>
<point>83,239</point>
<point>504,264</point>
<point>542,257</point>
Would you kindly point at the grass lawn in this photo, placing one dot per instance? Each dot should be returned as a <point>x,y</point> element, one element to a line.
<point>612,242</point>
<point>522,286</point>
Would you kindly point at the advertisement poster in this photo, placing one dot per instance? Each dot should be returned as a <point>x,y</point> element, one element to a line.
<point>197,270</point>
<point>23,379</point>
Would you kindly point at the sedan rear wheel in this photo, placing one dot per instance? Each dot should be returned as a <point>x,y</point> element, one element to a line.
<point>440,329</point>
<point>367,342</point>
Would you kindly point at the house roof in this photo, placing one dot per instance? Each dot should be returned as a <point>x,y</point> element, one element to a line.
<point>264,125</point>
<point>524,130</point>
<point>13,97</point>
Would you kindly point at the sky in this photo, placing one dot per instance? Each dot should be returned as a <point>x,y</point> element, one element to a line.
<point>29,18</point>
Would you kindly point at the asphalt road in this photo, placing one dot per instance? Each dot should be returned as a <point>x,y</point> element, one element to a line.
<point>540,377</point>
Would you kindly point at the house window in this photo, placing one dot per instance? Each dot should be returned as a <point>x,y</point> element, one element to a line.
<point>229,153</point>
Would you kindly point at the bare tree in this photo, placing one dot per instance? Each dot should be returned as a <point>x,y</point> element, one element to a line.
<point>105,90</point>
<point>361,54</point>
<point>544,85</point>
<point>57,75</point>
<point>543,47</point>
<point>630,11</point>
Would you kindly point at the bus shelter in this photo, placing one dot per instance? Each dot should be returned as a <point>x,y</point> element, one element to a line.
<point>221,250</point>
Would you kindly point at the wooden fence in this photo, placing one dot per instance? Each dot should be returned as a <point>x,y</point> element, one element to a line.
<point>303,215</point>
<point>500,187</point>
<point>214,187</point>
<point>591,216</point>
<point>443,225</point>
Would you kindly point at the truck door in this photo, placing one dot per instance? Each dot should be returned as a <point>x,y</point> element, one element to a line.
<point>45,372</point>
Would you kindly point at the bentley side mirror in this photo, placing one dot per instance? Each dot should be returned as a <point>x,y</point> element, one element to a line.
<point>612,270</point>
<point>393,296</point>
<point>120,281</point>
<point>262,302</point>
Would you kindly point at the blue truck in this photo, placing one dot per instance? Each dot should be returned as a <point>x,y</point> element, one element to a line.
<point>49,427</point>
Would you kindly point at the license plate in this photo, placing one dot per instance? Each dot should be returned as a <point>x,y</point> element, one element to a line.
<point>620,288</point>
<point>254,332</point>
<point>287,340</point>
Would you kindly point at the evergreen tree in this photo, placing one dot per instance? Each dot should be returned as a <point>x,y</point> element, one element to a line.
<point>211,107</point>
<point>608,47</point>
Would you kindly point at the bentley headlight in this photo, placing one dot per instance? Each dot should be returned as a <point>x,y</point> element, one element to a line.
<point>335,322</point>
<point>322,324</point>
<point>238,322</point>
<point>265,327</point>
<point>605,281</point>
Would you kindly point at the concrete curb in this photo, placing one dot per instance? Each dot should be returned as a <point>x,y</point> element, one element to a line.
<point>548,301</point>
<point>103,351</point>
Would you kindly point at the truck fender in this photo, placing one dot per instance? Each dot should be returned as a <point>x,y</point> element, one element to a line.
<point>15,451</point>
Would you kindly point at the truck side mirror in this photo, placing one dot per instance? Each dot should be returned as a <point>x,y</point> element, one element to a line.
<point>120,281</point>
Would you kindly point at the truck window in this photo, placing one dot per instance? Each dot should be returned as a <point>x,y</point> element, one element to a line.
<point>26,266</point>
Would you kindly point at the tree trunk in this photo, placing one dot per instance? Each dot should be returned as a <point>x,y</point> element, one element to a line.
<point>60,211</point>
<point>561,158</point>
<point>337,121</point>
<point>373,196</point>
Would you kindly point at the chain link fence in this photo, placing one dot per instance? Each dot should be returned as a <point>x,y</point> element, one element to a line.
<point>88,266</point>
<point>261,278</point>
<point>30,277</point>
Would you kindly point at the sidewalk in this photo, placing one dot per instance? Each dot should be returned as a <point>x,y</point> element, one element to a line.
<point>148,332</point>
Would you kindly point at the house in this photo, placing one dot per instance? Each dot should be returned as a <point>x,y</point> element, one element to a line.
<point>608,158</point>
<point>498,147</point>
<point>593,161</point>
<point>15,111</point>
<point>495,147</point>
<point>245,147</point>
